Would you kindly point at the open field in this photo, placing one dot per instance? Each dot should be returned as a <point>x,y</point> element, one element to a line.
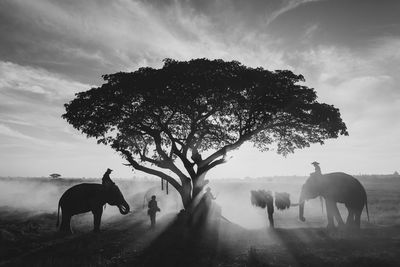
<point>28,236</point>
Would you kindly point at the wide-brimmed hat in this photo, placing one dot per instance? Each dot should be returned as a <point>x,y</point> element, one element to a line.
<point>109,170</point>
<point>315,163</point>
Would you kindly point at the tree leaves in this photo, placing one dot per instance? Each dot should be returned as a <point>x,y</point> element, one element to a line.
<point>189,107</point>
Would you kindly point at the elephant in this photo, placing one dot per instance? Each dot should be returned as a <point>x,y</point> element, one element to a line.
<point>337,187</point>
<point>87,197</point>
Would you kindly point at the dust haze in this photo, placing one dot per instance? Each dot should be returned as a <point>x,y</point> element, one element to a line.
<point>234,199</point>
<point>28,213</point>
<point>35,196</point>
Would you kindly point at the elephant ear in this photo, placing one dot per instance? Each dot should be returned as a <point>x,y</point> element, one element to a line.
<point>319,183</point>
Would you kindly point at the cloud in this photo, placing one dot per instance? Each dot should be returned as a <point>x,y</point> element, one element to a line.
<point>16,79</point>
<point>34,140</point>
<point>87,39</point>
<point>16,121</point>
<point>7,131</point>
<point>31,103</point>
<point>365,89</point>
<point>53,49</point>
<point>287,5</point>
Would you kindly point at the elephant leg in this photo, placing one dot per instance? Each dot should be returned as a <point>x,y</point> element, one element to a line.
<point>357,218</point>
<point>329,214</point>
<point>97,219</point>
<point>336,214</point>
<point>271,219</point>
<point>65,226</point>
<point>350,217</point>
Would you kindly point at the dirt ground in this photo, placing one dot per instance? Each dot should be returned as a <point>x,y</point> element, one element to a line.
<point>128,241</point>
<point>28,237</point>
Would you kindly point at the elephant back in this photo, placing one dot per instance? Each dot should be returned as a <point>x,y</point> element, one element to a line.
<point>80,193</point>
<point>345,189</point>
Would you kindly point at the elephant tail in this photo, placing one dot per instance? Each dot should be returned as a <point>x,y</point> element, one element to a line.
<point>58,215</point>
<point>366,208</point>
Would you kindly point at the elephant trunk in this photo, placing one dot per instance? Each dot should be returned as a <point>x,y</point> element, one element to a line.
<point>301,212</point>
<point>124,208</point>
<point>302,201</point>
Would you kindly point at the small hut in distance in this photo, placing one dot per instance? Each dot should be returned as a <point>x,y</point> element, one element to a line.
<point>55,175</point>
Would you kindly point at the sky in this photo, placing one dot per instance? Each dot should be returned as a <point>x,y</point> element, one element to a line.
<point>348,50</point>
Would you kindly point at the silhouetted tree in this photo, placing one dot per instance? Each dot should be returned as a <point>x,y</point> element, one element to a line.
<point>156,117</point>
<point>55,175</point>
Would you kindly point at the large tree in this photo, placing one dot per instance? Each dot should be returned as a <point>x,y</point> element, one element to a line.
<point>195,112</point>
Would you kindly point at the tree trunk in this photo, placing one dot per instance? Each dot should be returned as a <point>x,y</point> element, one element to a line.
<point>198,184</point>
<point>197,191</point>
<point>186,194</point>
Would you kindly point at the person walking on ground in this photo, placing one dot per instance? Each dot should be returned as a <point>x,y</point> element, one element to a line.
<point>153,209</point>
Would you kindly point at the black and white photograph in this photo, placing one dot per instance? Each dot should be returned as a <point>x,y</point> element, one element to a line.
<point>200,133</point>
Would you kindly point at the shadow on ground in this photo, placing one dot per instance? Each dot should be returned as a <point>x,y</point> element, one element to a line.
<point>128,241</point>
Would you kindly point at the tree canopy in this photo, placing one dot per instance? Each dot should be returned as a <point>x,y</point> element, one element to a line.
<point>155,117</point>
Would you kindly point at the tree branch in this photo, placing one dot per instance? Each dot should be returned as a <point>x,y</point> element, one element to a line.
<point>186,163</point>
<point>159,163</point>
<point>212,165</point>
<point>190,137</point>
<point>227,148</point>
<point>174,149</point>
<point>142,168</point>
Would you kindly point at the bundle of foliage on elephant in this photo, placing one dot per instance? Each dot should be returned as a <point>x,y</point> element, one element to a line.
<point>282,200</point>
<point>260,198</point>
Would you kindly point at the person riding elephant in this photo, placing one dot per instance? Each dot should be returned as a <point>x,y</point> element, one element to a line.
<point>337,187</point>
<point>106,175</point>
<point>87,197</point>
<point>317,169</point>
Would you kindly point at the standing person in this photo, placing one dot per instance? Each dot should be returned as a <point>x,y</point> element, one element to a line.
<point>153,209</point>
<point>317,169</point>
<point>206,205</point>
<point>208,197</point>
